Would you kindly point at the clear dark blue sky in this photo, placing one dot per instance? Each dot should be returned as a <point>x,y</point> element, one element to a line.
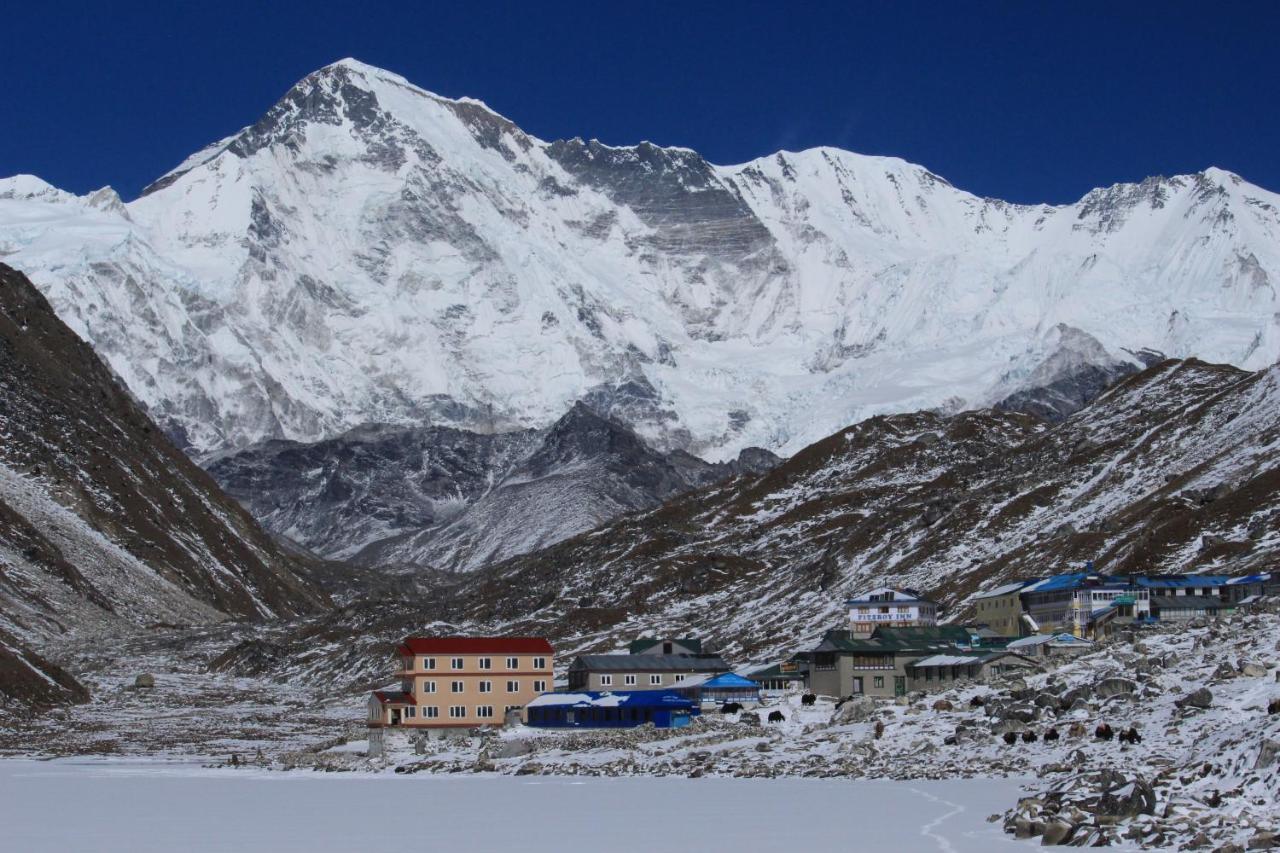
<point>1029,101</point>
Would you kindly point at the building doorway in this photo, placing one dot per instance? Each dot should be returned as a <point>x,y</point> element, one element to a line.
<point>899,685</point>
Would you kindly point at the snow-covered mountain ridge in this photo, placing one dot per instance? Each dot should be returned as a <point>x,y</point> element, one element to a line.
<point>368,252</point>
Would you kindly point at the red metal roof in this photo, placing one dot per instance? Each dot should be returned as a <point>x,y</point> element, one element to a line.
<point>475,646</point>
<point>395,697</point>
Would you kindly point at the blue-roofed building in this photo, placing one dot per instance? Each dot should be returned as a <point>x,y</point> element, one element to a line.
<point>1172,585</point>
<point>1085,604</point>
<point>623,709</point>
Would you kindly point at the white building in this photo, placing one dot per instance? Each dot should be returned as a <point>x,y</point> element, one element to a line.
<point>890,608</point>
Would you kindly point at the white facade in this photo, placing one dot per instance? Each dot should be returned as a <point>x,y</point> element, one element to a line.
<point>891,608</point>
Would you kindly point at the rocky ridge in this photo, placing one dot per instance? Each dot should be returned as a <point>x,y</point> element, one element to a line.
<point>105,527</point>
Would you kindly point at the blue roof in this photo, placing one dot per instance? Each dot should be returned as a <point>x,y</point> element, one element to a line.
<point>1250,579</point>
<point>1056,583</point>
<point>728,679</point>
<point>614,699</point>
<point>1183,581</point>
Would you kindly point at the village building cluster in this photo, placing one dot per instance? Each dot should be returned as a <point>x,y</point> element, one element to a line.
<point>892,644</point>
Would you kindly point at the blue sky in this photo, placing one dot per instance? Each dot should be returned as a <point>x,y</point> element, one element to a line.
<point>1028,101</point>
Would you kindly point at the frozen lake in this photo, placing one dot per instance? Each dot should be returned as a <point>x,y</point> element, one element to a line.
<point>142,807</point>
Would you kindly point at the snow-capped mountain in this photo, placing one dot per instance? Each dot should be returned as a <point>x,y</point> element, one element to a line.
<point>368,252</point>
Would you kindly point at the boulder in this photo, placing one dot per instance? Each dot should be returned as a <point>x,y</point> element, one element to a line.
<point>854,710</point>
<point>513,748</point>
<point>530,768</point>
<point>1267,754</point>
<point>943,705</point>
<point>1057,832</point>
<point>1075,694</point>
<point>145,681</point>
<point>751,718</point>
<point>1200,698</point>
<point>1123,796</point>
<point>1115,687</point>
<point>1047,700</point>
<point>1263,840</point>
<point>1252,669</point>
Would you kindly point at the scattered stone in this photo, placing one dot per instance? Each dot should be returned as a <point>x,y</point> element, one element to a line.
<point>145,681</point>
<point>943,705</point>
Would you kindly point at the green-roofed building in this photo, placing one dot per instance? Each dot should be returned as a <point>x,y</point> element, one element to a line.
<point>844,665</point>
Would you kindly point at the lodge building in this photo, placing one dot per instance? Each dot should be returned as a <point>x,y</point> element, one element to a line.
<point>461,682</point>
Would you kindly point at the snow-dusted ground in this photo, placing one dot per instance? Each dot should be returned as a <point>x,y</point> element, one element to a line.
<point>154,806</point>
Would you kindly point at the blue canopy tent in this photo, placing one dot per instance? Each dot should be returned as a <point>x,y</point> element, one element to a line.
<point>725,687</point>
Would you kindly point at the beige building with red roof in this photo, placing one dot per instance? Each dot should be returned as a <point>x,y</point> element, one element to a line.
<point>457,682</point>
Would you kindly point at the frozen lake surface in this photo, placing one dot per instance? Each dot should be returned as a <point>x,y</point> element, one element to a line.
<point>155,806</point>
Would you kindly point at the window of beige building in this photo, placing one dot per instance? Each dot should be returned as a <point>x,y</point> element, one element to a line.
<point>428,663</point>
<point>679,678</point>
<point>539,687</point>
<point>457,711</point>
<point>629,680</point>
<point>428,687</point>
<point>456,663</point>
<point>539,663</point>
<point>431,712</point>
<point>513,687</point>
<point>513,663</point>
<point>655,679</point>
<point>486,687</point>
<point>456,687</point>
<point>484,712</point>
<point>486,663</point>
<point>606,680</point>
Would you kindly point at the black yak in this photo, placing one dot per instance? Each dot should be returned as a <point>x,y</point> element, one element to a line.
<point>808,699</point>
<point>1131,736</point>
<point>1274,707</point>
<point>1028,736</point>
<point>1104,732</point>
<point>1050,735</point>
<point>977,702</point>
<point>776,717</point>
<point>730,707</point>
<point>879,729</point>
<point>1011,738</point>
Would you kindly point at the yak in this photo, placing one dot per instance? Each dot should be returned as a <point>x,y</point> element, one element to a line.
<point>1050,735</point>
<point>1011,738</point>
<point>1104,732</point>
<point>808,699</point>
<point>1130,736</point>
<point>776,717</point>
<point>730,707</point>
<point>1274,707</point>
<point>1028,736</point>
